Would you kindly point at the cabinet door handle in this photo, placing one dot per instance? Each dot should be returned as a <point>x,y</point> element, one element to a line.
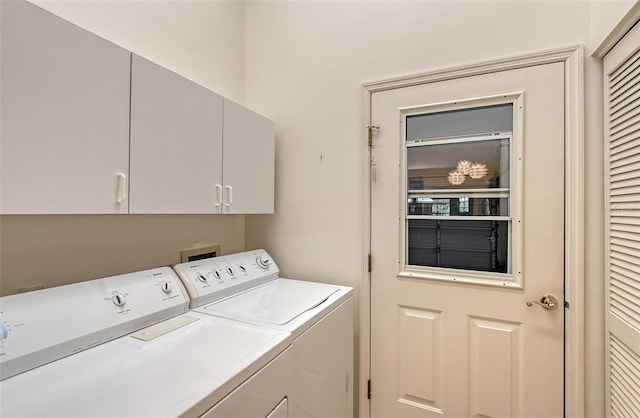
<point>229,196</point>
<point>122,188</point>
<point>218,195</point>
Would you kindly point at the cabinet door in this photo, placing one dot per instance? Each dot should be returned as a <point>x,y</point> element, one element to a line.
<point>64,136</point>
<point>176,143</point>
<point>249,154</point>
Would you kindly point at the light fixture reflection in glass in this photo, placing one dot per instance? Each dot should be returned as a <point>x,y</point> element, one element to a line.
<point>467,168</point>
<point>456,178</point>
<point>478,171</point>
<point>464,166</point>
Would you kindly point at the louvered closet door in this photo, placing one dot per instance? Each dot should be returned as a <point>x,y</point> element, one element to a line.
<point>622,339</point>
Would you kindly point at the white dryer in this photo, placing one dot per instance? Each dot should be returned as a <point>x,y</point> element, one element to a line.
<point>246,287</point>
<point>127,346</point>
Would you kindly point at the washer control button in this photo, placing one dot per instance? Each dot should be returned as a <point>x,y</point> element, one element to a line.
<point>166,287</point>
<point>263,262</point>
<point>118,299</point>
<point>4,332</point>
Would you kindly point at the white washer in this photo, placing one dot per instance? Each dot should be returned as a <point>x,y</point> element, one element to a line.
<point>127,346</point>
<point>246,287</point>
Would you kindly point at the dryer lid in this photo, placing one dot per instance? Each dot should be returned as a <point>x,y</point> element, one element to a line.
<point>277,302</point>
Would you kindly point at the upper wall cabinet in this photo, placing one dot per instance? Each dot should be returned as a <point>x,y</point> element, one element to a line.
<point>249,148</point>
<point>186,157</point>
<point>176,143</point>
<point>64,136</point>
<point>89,128</point>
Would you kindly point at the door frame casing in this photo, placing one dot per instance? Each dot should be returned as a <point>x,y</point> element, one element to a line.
<point>573,59</point>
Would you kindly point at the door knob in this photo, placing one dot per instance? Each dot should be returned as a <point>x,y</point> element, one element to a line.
<point>549,302</point>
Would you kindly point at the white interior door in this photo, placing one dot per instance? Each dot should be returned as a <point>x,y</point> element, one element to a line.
<point>452,336</point>
<point>622,162</point>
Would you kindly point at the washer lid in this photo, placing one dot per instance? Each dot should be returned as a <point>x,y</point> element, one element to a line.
<point>182,372</point>
<point>277,302</point>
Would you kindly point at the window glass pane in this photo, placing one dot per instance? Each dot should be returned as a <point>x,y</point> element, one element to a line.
<point>460,178</point>
<point>470,245</point>
<point>458,206</point>
<point>462,122</point>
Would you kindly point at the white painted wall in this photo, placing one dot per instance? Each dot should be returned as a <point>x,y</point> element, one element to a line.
<point>305,64</point>
<point>201,40</point>
<point>594,240</point>
<point>605,15</point>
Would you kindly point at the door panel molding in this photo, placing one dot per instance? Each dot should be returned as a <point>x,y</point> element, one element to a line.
<point>496,367</point>
<point>572,57</point>
<point>421,332</point>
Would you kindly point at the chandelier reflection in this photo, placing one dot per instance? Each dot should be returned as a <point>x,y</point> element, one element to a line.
<point>467,168</point>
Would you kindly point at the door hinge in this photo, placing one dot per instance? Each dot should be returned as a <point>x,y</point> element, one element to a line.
<point>369,389</point>
<point>370,129</point>
<point>369,263</point>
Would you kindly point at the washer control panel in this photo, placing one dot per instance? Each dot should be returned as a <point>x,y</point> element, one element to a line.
<point>44,325</point>
<point>215,278</point>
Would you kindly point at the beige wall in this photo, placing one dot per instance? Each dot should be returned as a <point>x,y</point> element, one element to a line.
<point>60,249</point>
<point>305,65</point>
<point>594,245</point>
<point>201,40</point>
<point>605,14</point>
<point>306,62</point>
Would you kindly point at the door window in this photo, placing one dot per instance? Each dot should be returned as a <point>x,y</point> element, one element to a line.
<point>459,188</point>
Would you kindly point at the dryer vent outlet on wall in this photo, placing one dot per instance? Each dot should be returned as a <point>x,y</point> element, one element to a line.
<point>199,253</point>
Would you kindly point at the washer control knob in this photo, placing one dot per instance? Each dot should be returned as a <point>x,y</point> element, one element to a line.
<point>263,262</point>
<point>242,268</point>
<point>118,299</point>
<point>202,278</point>
<point>216,273</point>
<point>4,332</point>
<point>229,270</point>
<point>166,287</point>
